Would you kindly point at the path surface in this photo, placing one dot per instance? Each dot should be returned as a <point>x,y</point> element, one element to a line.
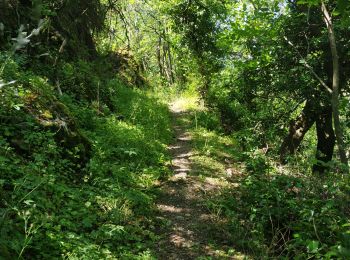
<point>189,230</point>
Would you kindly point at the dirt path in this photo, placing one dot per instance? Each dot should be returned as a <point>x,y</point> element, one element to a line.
<point>188,231</point>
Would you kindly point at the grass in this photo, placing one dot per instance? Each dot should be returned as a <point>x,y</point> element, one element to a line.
<point>52,207</point>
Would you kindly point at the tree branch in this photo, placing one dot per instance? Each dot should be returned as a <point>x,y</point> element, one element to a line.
<point>308,66</point>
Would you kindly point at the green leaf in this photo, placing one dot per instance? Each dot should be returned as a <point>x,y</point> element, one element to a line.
<point>313,246</point>
<point>87,222</point>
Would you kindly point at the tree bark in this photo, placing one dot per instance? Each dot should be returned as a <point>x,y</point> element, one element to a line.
<point>170,60</point>
<point>159,57</point>
<point>297,130</point>
<point>325,140</point>
<point>335,86</point>
<point>314,111</point>
<point>165,61</point>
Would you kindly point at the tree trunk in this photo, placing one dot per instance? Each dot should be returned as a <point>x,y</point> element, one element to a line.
<point>297,130</point>
<point>325,140</point>
<point>163,60</point>
<point>159,57</point>
<point>170,60</point>
<point>322,115</point>
<point>335,86</point>
<point>167,50</point>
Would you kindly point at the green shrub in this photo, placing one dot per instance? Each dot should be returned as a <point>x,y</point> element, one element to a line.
<point>294,217</point>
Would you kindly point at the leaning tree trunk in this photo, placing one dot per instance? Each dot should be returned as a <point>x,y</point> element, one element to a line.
<point>322,115</point>
<point>297,130</point>
<point>335,88</point>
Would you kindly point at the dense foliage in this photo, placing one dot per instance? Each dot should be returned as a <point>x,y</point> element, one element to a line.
<point>84,122</point>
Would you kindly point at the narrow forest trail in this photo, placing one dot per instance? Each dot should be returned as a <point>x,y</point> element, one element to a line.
<point>189,230</point>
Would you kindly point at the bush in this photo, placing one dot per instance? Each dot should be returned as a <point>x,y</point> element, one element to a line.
<point>295,217</point>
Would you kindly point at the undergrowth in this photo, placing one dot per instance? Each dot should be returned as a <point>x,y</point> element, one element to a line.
<point>77,177</point>
<point>288,216</point>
